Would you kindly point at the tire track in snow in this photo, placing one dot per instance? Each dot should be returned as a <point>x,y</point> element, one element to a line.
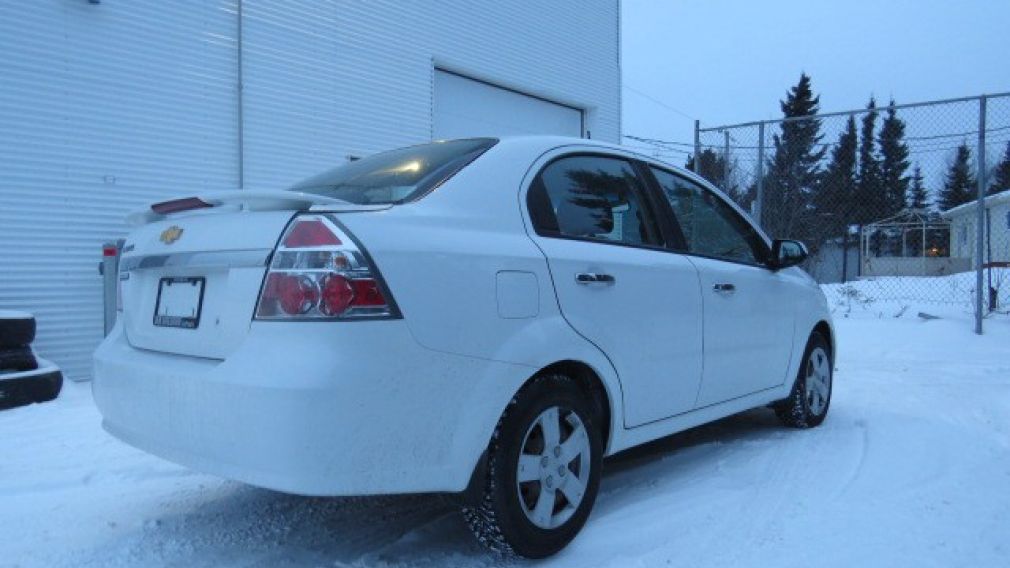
<point>213,527</point>
<point>759,523</point>
<point>857,470</point>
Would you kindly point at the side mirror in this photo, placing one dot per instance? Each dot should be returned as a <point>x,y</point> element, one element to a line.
<point>786,253</point>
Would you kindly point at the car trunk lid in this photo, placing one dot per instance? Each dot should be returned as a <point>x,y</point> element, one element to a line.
<point>191,276</point>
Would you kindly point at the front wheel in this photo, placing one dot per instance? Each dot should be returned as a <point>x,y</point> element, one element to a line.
<point>543,471</point>
<point>807,405</point>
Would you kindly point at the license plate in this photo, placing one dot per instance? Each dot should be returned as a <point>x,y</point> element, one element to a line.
<point>180,300</point>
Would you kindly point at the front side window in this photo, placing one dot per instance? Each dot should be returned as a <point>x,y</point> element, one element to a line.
<point>710,226</point>
<point>592,197</point>
<point>396,176</point>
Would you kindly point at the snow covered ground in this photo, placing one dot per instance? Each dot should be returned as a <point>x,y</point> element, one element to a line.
<point>895,296</point>
<point>912,468</point>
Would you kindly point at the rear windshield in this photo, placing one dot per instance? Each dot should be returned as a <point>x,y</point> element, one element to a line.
<point>398,175</point>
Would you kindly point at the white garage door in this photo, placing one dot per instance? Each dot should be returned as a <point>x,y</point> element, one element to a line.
<point>465,107</point>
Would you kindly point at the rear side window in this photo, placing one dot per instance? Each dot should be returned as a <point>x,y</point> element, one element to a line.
<point>710,226</point>
<point>592,197</point>
<point>398,175</point>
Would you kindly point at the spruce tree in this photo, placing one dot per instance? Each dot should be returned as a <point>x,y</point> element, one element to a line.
<point>918,199</point>
<point>893,163</point>
<point>1001,174</point>
<point>794,171</point>
<point>713,168</point>
<point>959,186</point>
<point>868,204</point>
<point>833,200</point>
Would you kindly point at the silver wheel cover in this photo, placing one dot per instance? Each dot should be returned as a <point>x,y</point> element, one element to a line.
<point>818,381</point>
<point>553,469</point>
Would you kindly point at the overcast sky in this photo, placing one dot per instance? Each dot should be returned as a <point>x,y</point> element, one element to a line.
<point>725,61</point>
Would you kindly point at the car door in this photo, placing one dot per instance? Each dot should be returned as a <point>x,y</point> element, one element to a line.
<point>617,284</point>
<point>748,315</point>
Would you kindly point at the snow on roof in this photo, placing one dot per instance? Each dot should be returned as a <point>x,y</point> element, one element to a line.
<point>993,199</point>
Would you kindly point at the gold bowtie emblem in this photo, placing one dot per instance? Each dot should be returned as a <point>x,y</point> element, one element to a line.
<point>171,234</point>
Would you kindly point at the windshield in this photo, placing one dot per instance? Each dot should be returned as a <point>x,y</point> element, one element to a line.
<point>398,175</point>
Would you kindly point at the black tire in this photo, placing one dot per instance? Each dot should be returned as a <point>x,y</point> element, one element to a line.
<point>495,513</point>
<point>48,387</point>
<point>16,331</point>
<point>796,411</point>
<point>17,359</point>
<point>13,396</point>
<point>42,386</point>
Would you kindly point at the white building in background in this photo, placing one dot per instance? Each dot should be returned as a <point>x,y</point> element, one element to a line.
<point>996,230</point>
<point>106,105</point>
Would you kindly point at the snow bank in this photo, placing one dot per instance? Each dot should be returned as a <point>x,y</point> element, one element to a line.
<point>905,296</point>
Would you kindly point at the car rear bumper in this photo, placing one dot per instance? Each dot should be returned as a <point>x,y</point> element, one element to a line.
<point>310,408</point>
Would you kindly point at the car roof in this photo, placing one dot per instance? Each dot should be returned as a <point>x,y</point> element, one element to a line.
<point>551,141</point>
<point>543,143</point>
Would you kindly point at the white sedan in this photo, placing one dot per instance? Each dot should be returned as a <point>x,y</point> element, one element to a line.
<point>484,317</point>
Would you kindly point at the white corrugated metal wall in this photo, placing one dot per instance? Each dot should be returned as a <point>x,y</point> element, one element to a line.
<point>101,108</point>
<point>104,107</point>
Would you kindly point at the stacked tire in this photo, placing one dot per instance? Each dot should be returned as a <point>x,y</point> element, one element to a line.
<point>24,378</point>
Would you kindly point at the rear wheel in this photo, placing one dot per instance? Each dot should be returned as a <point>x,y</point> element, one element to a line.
<point>543,471</point>
<point>808,402</point>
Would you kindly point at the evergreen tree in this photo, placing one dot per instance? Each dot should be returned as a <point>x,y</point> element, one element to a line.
<point>959,186</point>
<point>1001,175</point>
<point>918,200</point>
<point>794,171</point>
<point>868,204</point>
<point>917,196</point>
<point>894,162</point>
<point>713,168</point>
<point>833,200</point>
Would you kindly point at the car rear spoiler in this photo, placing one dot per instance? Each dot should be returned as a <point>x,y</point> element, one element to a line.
<point>245,200</point>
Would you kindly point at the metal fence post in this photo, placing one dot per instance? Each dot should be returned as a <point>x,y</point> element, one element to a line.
<point>980,214</point>
<point>697,147</point>
<point>725,161</point>
<point>109,269</point>
<point>760,182</point>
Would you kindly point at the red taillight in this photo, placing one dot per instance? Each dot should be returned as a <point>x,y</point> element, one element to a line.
<point>295,295</point>
<point>337,295</point>
<point>367,293</point>
<point>318,272</point>
<point>310,233</point>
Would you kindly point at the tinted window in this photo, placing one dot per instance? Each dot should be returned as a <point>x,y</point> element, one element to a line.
<point>398,175</point>
<point>710,226</point>
<point>592,197</point>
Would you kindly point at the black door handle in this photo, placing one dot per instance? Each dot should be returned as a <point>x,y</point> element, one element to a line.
<point>594,278</point>
<point>724,288</point>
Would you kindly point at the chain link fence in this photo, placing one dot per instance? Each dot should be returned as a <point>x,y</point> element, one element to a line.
<point>886,199</point>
